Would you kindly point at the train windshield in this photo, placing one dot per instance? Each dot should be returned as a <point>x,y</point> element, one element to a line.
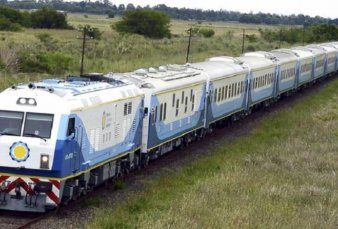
<point>10,123</point>
<point>39,125</point>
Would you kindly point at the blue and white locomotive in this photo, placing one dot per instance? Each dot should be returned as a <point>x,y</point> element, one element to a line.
<point>61,138</point>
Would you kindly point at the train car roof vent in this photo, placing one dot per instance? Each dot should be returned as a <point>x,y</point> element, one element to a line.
<point>52,81</point>
<point>147,85</point>
<point>162,69</point>
<point>176,67</point>
<point>152,70</point>
<point>141,72</point>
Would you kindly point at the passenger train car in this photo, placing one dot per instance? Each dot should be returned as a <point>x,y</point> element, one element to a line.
<point>61,138</point>
<point>174,106</point>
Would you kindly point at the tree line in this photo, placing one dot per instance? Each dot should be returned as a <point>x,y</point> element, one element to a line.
<point>106,7</point>
<point>13,20</point>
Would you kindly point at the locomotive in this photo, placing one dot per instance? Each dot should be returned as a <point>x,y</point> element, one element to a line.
<point>60,138</point>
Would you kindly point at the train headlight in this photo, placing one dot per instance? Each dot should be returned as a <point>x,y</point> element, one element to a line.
<point>31,101</point>
<point>3,186</point>
<point>22,101</point>
<point>26,101</point>
<point>44,161</point>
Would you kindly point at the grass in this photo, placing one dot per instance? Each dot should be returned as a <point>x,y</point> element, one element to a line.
<point>281,175</point>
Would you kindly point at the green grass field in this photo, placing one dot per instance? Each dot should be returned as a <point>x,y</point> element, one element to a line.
<point>281,175</point>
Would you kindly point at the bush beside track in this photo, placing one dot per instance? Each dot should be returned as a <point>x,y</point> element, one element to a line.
<point>281,174</point>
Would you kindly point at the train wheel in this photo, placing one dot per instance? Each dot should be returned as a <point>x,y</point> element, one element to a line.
<point>144,160</point>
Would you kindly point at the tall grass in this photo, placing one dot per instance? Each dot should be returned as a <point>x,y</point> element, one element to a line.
<point>281,175</point>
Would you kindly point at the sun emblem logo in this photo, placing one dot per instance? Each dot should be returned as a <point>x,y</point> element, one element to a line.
<point>19,151</point>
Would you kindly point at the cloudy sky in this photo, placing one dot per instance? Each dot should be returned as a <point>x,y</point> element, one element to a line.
<point>324,8</point>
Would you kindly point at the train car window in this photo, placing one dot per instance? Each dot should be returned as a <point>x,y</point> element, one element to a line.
<point>238,88</point>
<point>155,114</point>
<point>186,105</point>
<point>226,92</point>
<point>258,82</point>
<point>191,93</point>
<point>125,109</point>
<point>193,103</point>
<point>161,111</point>
<point>235,89</point>
<point>130,106</point>
<point>38,125</point>
<point>182,97</point>
<point>177,106</point>
<point>222,94</point>
<point>165,111</point>
<point>219,94</point>
<point>215,96</point>
<point>173,100</point>
<point>71,127</point>
<point>11,123</point>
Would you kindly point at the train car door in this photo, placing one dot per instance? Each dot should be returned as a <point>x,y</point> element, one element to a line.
<point>78,148</point>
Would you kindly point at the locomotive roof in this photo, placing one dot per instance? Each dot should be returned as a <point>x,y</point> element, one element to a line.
<point>71,94</point>
<point>72,86</point>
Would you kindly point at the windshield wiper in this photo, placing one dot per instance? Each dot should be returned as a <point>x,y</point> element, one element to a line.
<point>35,135</point>
<point>7,133</point>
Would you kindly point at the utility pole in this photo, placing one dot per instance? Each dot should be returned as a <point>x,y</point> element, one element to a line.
<point>303,34</point>
<point>83,48</point>
<point>243,41</point>
<point>85,35</point>
<point>280,37</point>
<point>188,49</point>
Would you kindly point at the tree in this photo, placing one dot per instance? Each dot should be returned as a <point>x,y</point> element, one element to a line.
<point>48,18</point>
<point>146,22</point>
<point>14,16</point>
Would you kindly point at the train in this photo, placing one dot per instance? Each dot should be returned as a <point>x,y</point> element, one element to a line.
<point>60,138</point>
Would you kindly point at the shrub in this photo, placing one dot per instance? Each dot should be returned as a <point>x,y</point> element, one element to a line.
<point>146,22</point>
<point>47,40</point>
<point>7,25</point>
<point>206,32</point>
<point>48,18</point>
<point>14,16</point>
<point>46,62</point>
<point>8,60</point>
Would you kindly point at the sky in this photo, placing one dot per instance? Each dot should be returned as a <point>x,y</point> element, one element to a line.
<point>323,8</point>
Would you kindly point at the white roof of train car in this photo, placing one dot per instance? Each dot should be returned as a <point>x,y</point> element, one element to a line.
<point>163,78</point>
<point>220,69</point>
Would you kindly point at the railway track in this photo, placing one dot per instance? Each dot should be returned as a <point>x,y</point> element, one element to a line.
<point>19,220</point>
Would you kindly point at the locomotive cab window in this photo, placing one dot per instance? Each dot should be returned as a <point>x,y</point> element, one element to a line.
<point>71,127</point>
<point>10,123</point>
<point>38,125</point>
